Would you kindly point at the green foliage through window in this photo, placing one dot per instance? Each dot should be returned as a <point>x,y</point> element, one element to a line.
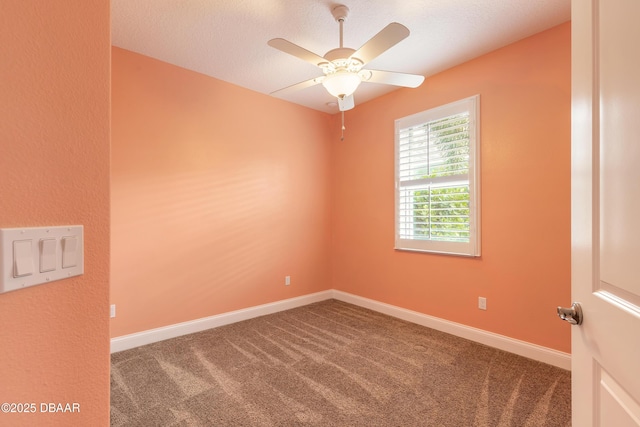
<point>441,213</point>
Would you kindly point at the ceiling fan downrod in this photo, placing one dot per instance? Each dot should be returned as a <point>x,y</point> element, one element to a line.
<point>340,14</point>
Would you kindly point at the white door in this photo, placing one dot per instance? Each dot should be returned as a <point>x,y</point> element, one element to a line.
<point>606,212</point>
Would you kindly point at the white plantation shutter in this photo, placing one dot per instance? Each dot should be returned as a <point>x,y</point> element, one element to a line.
<point>437,190</point>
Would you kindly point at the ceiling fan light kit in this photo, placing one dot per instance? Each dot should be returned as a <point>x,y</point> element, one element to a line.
<point>341,83</point>
<point>343,67</point>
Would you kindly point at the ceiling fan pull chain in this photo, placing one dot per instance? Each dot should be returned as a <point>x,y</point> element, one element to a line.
<point>343,128</point>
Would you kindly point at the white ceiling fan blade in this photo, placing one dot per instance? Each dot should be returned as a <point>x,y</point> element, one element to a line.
<point>396,79</point>
<point>388,37</point>
<point>302,85</point>
<point>346,103</point>
<point>297,51</point>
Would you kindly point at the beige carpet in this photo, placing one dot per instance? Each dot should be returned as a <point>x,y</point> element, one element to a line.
<point>333,364</point>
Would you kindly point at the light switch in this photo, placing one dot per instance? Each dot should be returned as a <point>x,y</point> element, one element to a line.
<point>69,252</point>
<point>22,258</point>
<point>47,255</point>
<point>32,256</point>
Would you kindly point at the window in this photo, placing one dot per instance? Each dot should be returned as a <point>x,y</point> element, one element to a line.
<point>437,155</point>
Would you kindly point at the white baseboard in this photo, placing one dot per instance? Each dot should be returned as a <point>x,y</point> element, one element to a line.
<point>150,336</point>
<point>522,348</point>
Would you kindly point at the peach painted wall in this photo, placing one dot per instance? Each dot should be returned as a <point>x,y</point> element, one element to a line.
<point>54,170</point>
<point>218,193</point>
<point>524,270</point>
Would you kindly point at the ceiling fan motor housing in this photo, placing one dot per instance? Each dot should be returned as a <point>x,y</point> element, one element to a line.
<point>340,60</point>
<point>339,53</point>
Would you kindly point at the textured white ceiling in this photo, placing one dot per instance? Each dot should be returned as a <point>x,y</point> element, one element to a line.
<point>227,39</point>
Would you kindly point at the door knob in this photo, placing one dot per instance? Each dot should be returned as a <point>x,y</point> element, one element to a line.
<point>572,315</point>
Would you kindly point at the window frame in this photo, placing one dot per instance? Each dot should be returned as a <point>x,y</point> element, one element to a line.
<point>471,248</point>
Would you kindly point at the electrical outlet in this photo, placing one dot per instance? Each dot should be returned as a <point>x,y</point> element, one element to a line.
<point>287,280</point>
<point>482,303</point>
<point>113,310</point>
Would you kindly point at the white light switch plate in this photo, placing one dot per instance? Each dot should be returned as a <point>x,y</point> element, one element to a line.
<point>45,268</point>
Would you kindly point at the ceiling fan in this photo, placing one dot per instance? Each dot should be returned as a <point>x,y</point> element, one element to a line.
<point>342,67</point>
